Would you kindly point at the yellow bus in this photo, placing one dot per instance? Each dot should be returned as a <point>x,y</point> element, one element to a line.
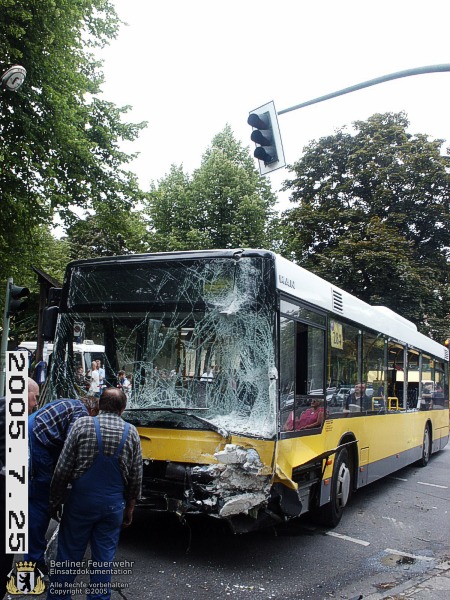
<point>260,391</point>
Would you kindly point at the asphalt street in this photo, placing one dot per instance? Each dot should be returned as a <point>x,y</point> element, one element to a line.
<point>392,531</point>
<point>393,542</point>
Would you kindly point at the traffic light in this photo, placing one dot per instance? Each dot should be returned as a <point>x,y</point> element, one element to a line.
<point>17,300</point>
<point>266,134</point>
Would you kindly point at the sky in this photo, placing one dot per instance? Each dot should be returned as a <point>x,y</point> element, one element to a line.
<point>189,67</point>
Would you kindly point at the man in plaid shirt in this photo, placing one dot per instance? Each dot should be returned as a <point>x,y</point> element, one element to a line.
<point>102,459</point>
<point>47,431</point>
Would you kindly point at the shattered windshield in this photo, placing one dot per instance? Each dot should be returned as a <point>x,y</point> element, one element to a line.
<point>194,338</point>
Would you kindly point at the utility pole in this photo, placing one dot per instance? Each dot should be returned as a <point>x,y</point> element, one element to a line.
<point>10,80</point>
<point>5,335</point>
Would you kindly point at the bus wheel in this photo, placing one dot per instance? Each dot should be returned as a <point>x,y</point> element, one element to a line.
<point>331,513</point>
<point>426,447</point>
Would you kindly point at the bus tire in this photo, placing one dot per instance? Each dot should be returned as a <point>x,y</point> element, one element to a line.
<point>341,484</point>
<point>426,447</point>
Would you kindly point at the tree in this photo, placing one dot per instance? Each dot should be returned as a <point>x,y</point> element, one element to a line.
<point>60,140</point>
<point>41,250</point>
<point>174,215</point>
<point>224,204</point>
<point>372,213</point>
<point>107,234</point>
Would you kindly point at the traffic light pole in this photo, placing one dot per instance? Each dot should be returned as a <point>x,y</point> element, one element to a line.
<point>266,133</point>
<point>370,82</point>
<point>5,335</point>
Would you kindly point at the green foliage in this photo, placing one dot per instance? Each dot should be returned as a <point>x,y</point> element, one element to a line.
<point>107,234</point>
<point>60,141</point>
<point>170,212</point>
<point>224,204</point>
<point>372,213</point>
<point>37,248</point>
<point>40,249</point>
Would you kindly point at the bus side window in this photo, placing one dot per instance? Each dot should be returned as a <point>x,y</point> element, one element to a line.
<point>287,373</point>
<point>302,349</point>
<point>342,367</point>
<point>309,378</point>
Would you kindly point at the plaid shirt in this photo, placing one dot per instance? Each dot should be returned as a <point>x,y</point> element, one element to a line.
<point>53,421</point>
<point>81,449</point>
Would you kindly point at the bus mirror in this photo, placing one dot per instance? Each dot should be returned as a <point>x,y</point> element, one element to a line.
<point>49,319</point>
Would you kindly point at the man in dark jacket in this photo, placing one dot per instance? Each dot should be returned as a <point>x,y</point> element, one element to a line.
<point>359,399</point>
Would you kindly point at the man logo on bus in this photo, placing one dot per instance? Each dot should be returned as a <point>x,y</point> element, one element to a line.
<point>25,578</point>
<point>285,281</point>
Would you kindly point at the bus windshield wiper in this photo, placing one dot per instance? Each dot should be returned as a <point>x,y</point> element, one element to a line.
<point>220,430</point>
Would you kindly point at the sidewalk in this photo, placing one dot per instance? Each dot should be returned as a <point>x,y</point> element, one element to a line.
<point>434,585</point>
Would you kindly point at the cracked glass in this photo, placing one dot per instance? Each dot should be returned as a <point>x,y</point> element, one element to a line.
<point>196,339</point>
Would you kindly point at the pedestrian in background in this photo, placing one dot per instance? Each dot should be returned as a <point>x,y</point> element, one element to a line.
<point>94,388</point>
<point>102,460</point>
<point>123,383</point>
<point>101,375</point>
<point>79,377</point>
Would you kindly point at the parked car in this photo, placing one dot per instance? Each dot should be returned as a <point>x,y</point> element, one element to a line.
<point>339,397</point>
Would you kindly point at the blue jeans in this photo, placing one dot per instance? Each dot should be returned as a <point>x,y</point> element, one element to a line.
<point>84,522</point>
<point>41,473</point>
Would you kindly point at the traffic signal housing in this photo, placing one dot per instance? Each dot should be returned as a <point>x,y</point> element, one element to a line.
<point>17,299</point>
<point>267,137</point>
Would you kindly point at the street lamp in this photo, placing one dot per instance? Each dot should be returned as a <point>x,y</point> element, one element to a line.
<point>13,78</point>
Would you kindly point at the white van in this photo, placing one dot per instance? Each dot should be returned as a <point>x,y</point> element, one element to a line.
<point>84,353</point>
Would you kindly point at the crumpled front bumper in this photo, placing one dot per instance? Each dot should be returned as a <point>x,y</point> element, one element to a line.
<point>236,484</point>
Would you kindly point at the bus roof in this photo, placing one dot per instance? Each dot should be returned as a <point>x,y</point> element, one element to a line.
<point>303,285</point>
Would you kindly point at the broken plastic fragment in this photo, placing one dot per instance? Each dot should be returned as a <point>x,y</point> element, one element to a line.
<point>242,504</point>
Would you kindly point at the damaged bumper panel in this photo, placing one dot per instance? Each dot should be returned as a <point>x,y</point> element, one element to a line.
<point>242,503</point>
<point>236,488</point>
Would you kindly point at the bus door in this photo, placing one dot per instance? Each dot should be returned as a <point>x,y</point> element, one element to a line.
<point>396,383</point>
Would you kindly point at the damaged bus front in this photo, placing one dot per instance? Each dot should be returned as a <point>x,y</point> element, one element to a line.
<point>232,357</point>
<point>195,332</point>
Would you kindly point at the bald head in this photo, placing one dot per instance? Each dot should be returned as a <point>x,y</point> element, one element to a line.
<point>113,400</point>
<point>33,395</point>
